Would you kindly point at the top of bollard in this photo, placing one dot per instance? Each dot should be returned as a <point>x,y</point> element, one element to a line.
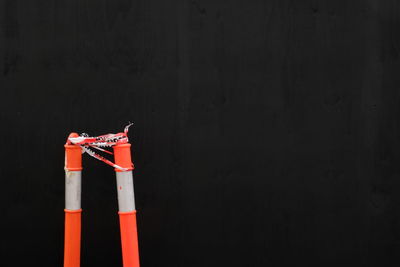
<point>87,142</point>
<point>71,135</point>
<point>73,155</point>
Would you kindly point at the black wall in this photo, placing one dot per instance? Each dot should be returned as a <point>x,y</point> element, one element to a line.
<point>267,133</point>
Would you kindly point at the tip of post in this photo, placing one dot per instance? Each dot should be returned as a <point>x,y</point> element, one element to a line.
<point>71,135</point>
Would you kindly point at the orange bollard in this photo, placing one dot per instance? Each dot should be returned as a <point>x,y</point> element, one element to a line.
<point>72,234</point>
<point>126,205</point>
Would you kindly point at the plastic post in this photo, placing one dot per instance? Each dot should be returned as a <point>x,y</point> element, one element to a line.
<point>126,203</point>
<point>73,211</point>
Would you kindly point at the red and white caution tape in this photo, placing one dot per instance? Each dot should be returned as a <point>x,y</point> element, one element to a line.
<point>108,140</point>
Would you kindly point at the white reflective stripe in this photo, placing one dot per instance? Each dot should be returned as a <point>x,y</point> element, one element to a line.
<point>126,196</point>
<point>73,183</point>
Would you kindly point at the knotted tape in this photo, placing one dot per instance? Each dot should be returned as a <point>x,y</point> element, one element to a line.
<point>87,142</point>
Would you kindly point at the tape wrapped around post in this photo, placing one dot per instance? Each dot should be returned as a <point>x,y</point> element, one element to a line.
<point>87,143</point>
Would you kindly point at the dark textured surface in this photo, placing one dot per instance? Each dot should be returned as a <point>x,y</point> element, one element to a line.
<point>267,133</point>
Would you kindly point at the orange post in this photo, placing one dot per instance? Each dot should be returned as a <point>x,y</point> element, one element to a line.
<point>126,204</point>
<point>72,234</point>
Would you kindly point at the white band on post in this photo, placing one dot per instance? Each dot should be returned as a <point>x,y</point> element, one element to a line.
<point>126,196</point>
<point>73,181</point>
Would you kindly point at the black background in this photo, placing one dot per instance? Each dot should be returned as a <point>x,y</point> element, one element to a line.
<point>267,133</point>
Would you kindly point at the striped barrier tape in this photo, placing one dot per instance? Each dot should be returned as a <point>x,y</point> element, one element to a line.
<point>87,142</point>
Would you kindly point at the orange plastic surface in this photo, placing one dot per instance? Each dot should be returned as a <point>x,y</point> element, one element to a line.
<point>72,238</point>
<point>129,239</point>
<point>73,155</point>
<point>122,156</point>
